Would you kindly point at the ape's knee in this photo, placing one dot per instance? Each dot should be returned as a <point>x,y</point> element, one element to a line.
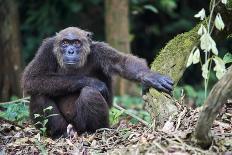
<point>88,93</point>
<point>92,111</point>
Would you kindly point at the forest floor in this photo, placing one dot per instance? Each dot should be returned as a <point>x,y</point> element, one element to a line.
<point>174,138</point>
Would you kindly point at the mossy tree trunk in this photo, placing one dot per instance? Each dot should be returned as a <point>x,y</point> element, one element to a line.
<point>10,56</point>
<point>117,35</point>
<point>177,51</point>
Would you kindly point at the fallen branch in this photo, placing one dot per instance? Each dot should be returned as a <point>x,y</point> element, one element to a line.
<point>221,92</point>
<point>131,114</point>
<point>25,99</point>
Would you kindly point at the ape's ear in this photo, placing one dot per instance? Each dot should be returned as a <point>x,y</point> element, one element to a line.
<point>89,36</point>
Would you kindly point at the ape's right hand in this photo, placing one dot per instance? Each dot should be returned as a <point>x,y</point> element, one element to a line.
<point>157,81</point>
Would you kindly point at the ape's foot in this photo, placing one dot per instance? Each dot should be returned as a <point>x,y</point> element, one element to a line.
<point>71,131</point>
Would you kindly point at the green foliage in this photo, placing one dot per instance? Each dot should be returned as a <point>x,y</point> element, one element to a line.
<point>41,147</point>
<point>151,8</point>
<point>43,119</point>
<point>197,95</point>
<point>15,112</point>
<point>227,58</point>
<point>131,104</point>
<point>168,5</point>
<point>207,44</point>
<point>115,115</point>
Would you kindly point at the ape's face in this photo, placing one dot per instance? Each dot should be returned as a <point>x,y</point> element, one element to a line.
<point>72,47</point>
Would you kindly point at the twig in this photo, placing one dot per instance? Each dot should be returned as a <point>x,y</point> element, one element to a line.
<point>186,145</point>
<point>160,147</point>
<point>130,114</point>
<point>1,132</point>
<point>105,129</point>
<point>224,134</point>
<point>11,122</point>
<point>25,99</point>
<point>179,118</point>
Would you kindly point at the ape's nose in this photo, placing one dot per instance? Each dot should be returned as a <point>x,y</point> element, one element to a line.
<point>71,52</point>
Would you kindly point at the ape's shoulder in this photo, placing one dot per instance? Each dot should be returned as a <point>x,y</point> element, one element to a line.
<point>98,45</point>
<point>48,43</point>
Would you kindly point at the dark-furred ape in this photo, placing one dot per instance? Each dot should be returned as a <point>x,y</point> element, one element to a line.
<point>72,73</point>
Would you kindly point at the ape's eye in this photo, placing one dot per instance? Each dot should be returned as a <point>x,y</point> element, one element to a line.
<point>65,42</point>
<point>77,42</point>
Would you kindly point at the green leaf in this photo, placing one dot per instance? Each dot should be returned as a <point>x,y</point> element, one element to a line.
<point>207,43</point>
<point>48,108</point>
<point>227,58</point>
<point>43,130</point>
<point>200,14</point>
<point>220,67</point>
<point>202,30</point>
<point>219,24</point>
<point>37,123</point>
<point>190,59</point>
<point>224,1</point>
<point>36,115</point>
<point>114,115</point>
<point>214,49</point>
<point>151,8</point>
<point>196,56</point>
<point>45,122</point>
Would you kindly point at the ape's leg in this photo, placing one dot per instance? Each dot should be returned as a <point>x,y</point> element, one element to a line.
<point>56,125</point>
<point>92,111</point>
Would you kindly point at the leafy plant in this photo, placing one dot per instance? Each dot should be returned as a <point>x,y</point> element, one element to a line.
<point>44,119</point>
<point>133,105</point>
<point>115,115</point>
<point>196,94</point>
<point>208,45</point>
<point>15,111</point>
<point>41,147</point>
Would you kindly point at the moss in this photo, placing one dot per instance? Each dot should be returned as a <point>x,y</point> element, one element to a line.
<point>171,61</point>
<point>173,58</point>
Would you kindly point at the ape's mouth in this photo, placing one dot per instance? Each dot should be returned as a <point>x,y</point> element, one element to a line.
<point>70,63</point>
<point>71,60</point>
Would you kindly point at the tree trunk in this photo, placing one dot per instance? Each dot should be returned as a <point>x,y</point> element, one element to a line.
<point>117,35</point>
<point>221,91</point>
<point>177,52</point>
<point>10,56</point>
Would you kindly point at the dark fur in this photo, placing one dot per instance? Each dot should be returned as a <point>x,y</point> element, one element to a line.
<point>81,95</point>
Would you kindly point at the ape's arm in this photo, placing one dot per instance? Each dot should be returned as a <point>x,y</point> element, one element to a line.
<point>129,67</point>
<point>40,75</point>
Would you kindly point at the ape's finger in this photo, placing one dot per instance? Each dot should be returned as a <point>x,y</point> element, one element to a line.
<point>167,86</point>
<point>163,89</point>
<point>169,80</point>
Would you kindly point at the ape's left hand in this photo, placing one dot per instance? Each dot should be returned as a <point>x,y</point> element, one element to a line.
<point>157,81</point>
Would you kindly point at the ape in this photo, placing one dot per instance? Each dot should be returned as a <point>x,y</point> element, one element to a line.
<point>72,73</point>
